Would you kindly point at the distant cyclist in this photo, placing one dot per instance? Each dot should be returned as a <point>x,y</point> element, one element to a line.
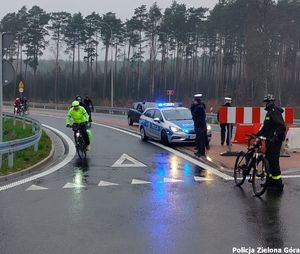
<point>79,117</point>
<point>17,106</point>
<point>88,102</point>
<point>25,104</point>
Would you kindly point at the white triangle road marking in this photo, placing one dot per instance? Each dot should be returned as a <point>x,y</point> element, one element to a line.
<point>36,187</point>
<point>200,179</point>
<point>136,181</point>
<point>172,180</point>
<point>103,183</point>
<point>73,185</point>
<point>120,162</point>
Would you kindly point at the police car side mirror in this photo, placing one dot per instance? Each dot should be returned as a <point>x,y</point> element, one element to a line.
<point>156,119</point>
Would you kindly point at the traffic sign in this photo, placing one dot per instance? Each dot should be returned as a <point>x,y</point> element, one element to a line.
<point>21,90</point>
<point>21,84</point>
<point>170,92</point>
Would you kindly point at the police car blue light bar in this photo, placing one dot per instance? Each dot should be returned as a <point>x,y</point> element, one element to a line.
<point>169,104</point>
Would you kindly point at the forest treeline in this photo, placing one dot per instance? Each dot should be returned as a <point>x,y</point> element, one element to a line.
<point>241,48</point>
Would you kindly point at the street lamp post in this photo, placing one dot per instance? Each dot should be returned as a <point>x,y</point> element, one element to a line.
<point>111,71</point>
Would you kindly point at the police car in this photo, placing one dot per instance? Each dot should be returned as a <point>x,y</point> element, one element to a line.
<point>168,123</point>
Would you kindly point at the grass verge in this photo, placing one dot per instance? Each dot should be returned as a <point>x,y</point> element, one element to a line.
<point>27,157</point>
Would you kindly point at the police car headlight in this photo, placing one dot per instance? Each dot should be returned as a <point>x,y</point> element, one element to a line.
<point>209,127</point>
<point>175,129</point>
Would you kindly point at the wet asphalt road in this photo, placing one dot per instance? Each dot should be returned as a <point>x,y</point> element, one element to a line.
<point>160,217</point>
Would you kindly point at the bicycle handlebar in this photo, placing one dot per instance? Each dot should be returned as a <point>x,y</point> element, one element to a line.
<point>254,136</point>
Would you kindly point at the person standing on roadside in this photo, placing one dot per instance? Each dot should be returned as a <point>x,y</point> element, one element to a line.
<point>199,118</point>
<point>224,126</point>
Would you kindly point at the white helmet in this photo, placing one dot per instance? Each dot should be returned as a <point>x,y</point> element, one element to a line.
<point>198,96</point>
<point>227,100</point>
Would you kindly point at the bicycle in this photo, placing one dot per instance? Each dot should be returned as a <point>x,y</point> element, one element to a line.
<point>79,141</point>
<point>253,159</point>
<point>19,110</point>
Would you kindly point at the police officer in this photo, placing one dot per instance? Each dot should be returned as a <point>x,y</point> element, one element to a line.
<point>224,126</point>
<point>199,118</point>
<point>274,130</point>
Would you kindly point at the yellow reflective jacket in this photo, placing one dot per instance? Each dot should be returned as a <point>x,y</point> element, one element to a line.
<point>78,116</point>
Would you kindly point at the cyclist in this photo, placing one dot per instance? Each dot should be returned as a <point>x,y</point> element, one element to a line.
<point>274,130</point>
<point>24,103</point>
<point>17,104</point>
<point>82,104</point>
<point>80,117</point>
<point>88,102</point>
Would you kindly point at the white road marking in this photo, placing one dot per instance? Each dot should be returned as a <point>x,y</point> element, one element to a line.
<point>290,176</point>
<point>72,186</point>
<point>104,184</point>
<point>134,163</point>
<point>68,158</point>
<point>36,187</point>
<point>136,181</point>
<point>200,179</point>
<point>172,180</point>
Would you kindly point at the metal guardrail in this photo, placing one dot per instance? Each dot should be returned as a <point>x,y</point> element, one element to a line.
<point>10,147</point>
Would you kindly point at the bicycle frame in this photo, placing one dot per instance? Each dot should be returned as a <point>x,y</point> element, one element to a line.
<point>254,164</point>
<point>79,141</point>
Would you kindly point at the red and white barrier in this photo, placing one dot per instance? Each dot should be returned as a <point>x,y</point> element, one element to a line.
<point>250,115</point>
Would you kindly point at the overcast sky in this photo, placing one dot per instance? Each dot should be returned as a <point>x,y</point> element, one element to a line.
<point>123,8</point>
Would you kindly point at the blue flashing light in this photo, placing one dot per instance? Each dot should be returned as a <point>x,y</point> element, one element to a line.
<point>186,131</point>
<point>168,104</point>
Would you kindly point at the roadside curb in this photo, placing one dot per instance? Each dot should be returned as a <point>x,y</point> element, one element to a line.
<point>37,166</point>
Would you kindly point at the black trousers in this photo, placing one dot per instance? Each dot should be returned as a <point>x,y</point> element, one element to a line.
<point>225,126</point>
<point>272,155</point>
<point>201,140</point>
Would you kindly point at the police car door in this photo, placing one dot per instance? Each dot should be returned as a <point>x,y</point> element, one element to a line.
<point>149,115</point>
<point>157,124</point>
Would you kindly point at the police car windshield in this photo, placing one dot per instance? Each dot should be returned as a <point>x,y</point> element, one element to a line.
<point>177,114</point>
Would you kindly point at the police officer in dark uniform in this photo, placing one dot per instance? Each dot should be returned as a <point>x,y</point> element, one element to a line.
<point>199,118</point>
<point>274,130</point>
<point>224,126</point>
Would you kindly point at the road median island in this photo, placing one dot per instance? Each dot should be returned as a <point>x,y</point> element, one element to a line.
<point>28,157</point>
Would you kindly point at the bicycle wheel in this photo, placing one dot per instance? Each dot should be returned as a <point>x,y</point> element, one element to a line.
<point>259,176</point>
<point>239,169</point>
<point>80,148</point>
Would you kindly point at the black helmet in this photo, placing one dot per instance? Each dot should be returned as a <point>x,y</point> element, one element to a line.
<point>269,97</point>
<point>78,98</point>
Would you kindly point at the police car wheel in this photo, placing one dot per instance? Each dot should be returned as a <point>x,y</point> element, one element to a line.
<point>164,138</point>
<point>130,122</point>
<point>143,134</point>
